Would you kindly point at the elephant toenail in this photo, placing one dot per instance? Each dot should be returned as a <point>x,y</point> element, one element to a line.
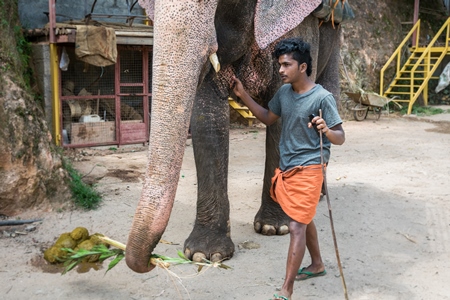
<point>283,230</point>
<point>257,227</point>
<point>187,253</point>
<point>216,257</point>
<point>269,230</point>
<point>199,257</point>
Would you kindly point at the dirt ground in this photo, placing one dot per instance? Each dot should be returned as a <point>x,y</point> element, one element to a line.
<point>389,193</point>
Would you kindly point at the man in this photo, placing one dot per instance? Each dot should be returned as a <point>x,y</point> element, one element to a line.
<point>297,183</point>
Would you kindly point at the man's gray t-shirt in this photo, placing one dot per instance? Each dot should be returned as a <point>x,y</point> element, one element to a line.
<point>300,145</point>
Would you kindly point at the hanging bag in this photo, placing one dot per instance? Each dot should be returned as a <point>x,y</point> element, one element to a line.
<point>337,11</point>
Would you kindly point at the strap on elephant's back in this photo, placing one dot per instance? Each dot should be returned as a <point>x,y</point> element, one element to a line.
<point>338,11</point>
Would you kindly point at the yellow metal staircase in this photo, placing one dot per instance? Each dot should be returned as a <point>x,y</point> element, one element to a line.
<point>242,110</point>
<point>413,73</point>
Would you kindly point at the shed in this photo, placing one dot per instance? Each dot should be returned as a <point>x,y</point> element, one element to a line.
<point>94,66</point>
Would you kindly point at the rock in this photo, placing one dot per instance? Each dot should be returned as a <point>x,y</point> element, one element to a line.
<point>29,176</point>
<point>30,228</point>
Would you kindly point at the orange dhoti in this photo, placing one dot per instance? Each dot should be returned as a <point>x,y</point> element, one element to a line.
<point>297,190</point>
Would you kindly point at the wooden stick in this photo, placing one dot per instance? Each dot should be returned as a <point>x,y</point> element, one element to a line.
<point>331,215</point>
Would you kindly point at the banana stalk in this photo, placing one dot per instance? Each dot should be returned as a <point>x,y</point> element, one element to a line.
<point>76,257</point>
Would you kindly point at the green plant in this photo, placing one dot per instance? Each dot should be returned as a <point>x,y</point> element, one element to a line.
<point>423,110</point>
<point>24,50</point>
<point>84,195</point>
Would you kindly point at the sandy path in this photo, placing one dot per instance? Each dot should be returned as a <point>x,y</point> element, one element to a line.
<point>390,197</point>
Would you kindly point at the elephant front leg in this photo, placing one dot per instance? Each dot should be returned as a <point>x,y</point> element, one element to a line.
<point>210,237</point>
<point>271,219</point>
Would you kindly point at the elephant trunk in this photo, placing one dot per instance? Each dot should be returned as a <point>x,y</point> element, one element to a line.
<point>182,45</point>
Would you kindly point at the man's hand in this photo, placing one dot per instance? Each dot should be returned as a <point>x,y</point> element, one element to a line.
<point>237,87</point>
<point>319,123</point>
<point>335,135</point>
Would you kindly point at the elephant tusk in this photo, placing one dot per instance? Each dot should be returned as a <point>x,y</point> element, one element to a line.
<point>215,62</point>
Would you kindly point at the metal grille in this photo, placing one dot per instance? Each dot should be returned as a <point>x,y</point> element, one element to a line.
<point>131,108</point>
<point>131,65</point>
<point>82,77</point>
<point>131,84</point>
<point>87,94</point>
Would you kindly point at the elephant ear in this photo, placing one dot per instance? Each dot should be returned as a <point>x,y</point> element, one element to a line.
<point>274,18</point>
<point>149,6</point>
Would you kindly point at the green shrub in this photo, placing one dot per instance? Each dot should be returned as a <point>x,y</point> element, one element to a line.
<point>84,196</point>
<point>423,110</point>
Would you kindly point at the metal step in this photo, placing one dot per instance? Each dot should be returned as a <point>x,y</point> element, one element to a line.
<point>242,110</point>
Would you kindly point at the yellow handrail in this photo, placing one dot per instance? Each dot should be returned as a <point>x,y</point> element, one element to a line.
<point>427,72</point>
<point>397,53</point>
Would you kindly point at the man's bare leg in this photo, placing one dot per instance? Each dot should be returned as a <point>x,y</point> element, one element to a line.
<point>297,246</point>
<point>312,243</point>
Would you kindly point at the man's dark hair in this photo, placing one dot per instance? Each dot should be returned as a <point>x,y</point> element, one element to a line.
<point>301,51</point>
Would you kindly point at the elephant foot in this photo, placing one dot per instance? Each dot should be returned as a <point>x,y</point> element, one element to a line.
<point>271,220</point>
<point>208,244</point>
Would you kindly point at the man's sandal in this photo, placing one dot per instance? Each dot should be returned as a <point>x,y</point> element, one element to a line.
<point>308,274</point>
<point>276,297</point>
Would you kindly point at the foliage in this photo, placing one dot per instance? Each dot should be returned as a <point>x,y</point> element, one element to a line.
<point>78,256</point>
<point>84,195</point>
<point>24,50</point>
<point>422,110</point>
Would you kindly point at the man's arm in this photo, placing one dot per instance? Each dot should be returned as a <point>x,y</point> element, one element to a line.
<point>335,134</point>
<point>264,115</point>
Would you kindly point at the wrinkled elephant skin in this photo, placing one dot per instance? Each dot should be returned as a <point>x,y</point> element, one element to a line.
<point>187,91</point>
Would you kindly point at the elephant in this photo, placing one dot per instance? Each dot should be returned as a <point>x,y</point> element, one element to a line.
<point>191,91</point>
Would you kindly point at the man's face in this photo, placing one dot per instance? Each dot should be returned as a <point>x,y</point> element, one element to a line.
<point>290,71</point>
